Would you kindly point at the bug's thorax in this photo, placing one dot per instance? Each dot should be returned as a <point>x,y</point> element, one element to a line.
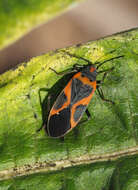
<point>87,76</point>
<point>89,72</point>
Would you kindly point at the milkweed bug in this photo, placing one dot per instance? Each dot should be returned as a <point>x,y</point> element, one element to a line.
<point>73,100</point>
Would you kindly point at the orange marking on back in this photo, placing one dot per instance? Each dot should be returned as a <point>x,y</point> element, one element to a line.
<point>67,91</point>
<point>92,69</point>
<point>85,101</point>
<point>85,80</point>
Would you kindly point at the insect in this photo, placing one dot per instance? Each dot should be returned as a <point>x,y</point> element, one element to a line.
<point>74,99</point>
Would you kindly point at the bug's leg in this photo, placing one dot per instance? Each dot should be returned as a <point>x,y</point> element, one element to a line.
<point>68,71</point>
<point>99,82</point>
<point>88,114</point>
<point>48,110</point>
<point>102,96</point>
<point>83,121</point>
<point>106,71</point>
<point>42,126</point>
<point>42,90</point>
<point>76,130</point>
<point>77,67</point>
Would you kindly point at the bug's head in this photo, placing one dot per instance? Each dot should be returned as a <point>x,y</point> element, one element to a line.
<point>90,72</point>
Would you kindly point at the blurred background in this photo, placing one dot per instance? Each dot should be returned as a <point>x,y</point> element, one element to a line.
<point>89,20</point>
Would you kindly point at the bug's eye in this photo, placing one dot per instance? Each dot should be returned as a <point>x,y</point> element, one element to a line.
<point>82,75</point>
<point>90,80</point>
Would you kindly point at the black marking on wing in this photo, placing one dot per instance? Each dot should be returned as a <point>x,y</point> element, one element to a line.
<point>79,111</point>
<point>79,90</point>
<point>59,123</point>
<point>60,101</point>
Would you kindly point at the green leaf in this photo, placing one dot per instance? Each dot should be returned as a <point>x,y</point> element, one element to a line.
<point>110,137</point>
<point>19,17</point>
<point>119,175</point>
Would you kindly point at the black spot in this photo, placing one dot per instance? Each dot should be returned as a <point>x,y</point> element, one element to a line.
<point>35,115</point>
<point>79,111</point>
<point>60,101</point>
<point>82,75</point>
<point>59,124</point>
<point>79,90</point>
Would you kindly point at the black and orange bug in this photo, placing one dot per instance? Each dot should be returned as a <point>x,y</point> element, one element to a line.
<point>73,100</point>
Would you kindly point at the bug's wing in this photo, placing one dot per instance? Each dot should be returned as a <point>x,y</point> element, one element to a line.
<point>79,91</point>
<point>59,123</point>
<point>59,117</point>
<point>80,97</point>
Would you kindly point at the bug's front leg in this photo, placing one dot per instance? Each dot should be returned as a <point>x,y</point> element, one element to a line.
<point>105,75</point>
<point>68,71</point>
<point>99,82</point>
<point>100,92</point>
